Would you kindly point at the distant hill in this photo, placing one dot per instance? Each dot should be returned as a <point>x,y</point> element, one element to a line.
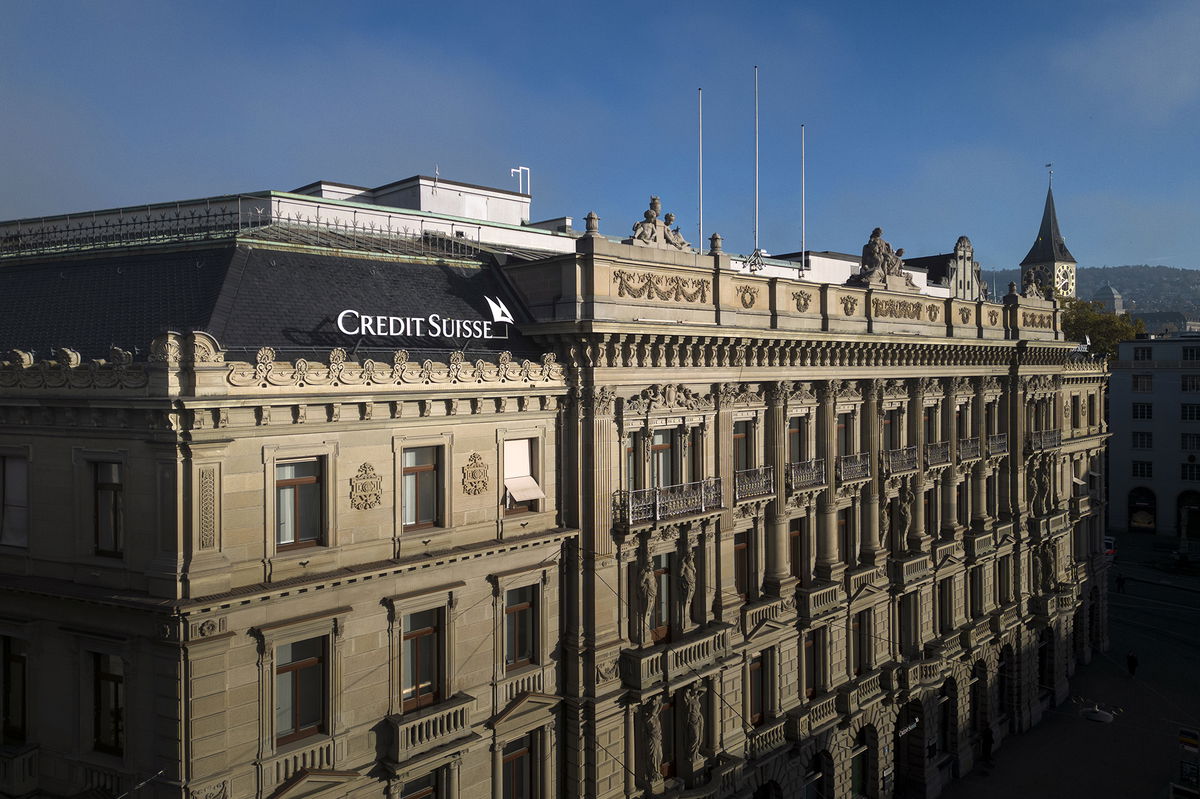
<point>1146,288</point>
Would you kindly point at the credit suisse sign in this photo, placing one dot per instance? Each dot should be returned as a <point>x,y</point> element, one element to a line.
<point>357,323</point>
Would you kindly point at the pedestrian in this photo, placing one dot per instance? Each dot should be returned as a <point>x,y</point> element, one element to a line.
<point>1120,583</point>
<point>1131,663</point>
<point>986,742</point>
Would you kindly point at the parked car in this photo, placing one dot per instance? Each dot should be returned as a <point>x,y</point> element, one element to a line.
<point>1110,548</point>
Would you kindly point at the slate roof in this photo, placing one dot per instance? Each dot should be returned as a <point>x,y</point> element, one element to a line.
<point>936,267</point>
<point>248,295</point>
<point>1049,246</point>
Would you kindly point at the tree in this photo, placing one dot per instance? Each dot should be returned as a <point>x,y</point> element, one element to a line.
<point>1082,319</point>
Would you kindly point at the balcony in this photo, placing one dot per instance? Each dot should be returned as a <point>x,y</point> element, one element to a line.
<point>432,727</point>
<point>937,453</point>
<point>806,474</point>
<point>1043,440</point>
<point>857,579</point>
<point>648,505</point>
<point>860,694</point>
<point>1081,505</point>
<point>753,616</point>
<point>977,633</point>
<point>998,444</point>
<point>912,674</point>
<point>18,769</point>
<point>684,658</point>
<point>1005,619</point>
<point>767,738</point>
<point>911,569</point>
<point>821,712</point>
<point>751,483</point>
<point>968,449</point>
<point>816,601</point>
<point>854,467</point>
<point>976,545</point>
<point>900,460</point>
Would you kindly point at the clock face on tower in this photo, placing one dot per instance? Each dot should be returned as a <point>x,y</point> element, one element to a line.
<point>1064,280</point>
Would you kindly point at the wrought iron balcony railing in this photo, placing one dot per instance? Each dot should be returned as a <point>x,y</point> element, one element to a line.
<point>750,483</point>
<point>968,449</point>
<point>854,467</point>
<point>806,474</point>
<point>899,460</point>
<point>937,453</point>
<point>998,444</point>
<point>667,502</point>
<point>1044,439</point>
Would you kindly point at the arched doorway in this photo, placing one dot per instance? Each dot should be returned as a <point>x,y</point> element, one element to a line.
<point>1143,510</point>
<point>947,719</point>
<point>909,748</point>
<point>864,772</point>
<point>1045,659</point>
<point>1187,513</point>
<point>978,708</point>
<point>1006,678</point>
<point>818,780</point>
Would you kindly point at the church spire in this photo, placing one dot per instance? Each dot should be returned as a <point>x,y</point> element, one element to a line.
<point>1049,247</point>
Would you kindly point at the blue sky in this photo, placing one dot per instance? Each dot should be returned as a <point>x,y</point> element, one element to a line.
<point>930,119</point>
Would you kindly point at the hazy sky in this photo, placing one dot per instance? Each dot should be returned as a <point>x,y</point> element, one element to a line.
<point>930,119</point>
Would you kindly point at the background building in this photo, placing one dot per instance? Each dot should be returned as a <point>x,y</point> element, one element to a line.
<point>1154,477</point>
<point>310,495</point>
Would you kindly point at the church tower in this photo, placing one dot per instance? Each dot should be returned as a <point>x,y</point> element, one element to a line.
<point>1051,262</point>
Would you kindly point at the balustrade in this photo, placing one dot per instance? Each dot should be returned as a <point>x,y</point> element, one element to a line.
<point>432,727</point>
<point>667,502</point>
<point>998,444</point>
<point>817,601</point>
<point>900,460</point>
<point>683,658</point>
<point>18,769</point>
<point>937,453</point>
<point>968,449</point>
<point>319,756</point>
<point>1044,439</point>
<point>750,483</point>
<point>806,474</point>
<point>767,738</point>
<point>822,712</point>
<point>854,467</point>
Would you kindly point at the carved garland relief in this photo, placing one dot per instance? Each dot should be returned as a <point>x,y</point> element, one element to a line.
<point>668,288</point>
<point>748,295</point>
<point>896,309</point>
<point>475,475</point>
<point>803,299</point>
<point>993,317</point>
<point>849,305</point>
<point>366,488</point>
<point>1037,320</point>
<point>964,314</point>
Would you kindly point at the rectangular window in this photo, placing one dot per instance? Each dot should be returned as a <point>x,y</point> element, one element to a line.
<point>758,694</point>
<point>1143,384</point>
<point>14,501</point>
<point>796,547</point>
<point>1143,410</point>
<point>843,434</point>
<point>1004,579</point>
<point>1143,353</point>
<point>631,470</point>
<point>427,787</point>
<point>109,508</point>
<point>1190,383</point>
<point>814,643</point>
<point>796,442</point>
<point>976,591</point>
<point>422,659</point>
<point>1189,354</point>
<point>300,680</point>
<point>660,614</point>
<point>108,708</point>
<point>1189,471</point>
<point>860,639</point>
<point>1189,441</point>
<point>521,488</point>
<point>422,487</point>
<point>1143,468</point>
<point>945,596</point>
<point>741,565</point>
<point>520,627</point>
<point>741,446</point>
<point>1076,418</point>
<point>931,426</point>
<point>299,505</point>
<point>12,691</point>
<point>892,424</point>
<point>1143,440</point>
<point>931,509</point>
<point>1091,410</point>
<point>1189,413</point>
<point>519,779</point>
<point>910,624</point>
<point>662,459</point>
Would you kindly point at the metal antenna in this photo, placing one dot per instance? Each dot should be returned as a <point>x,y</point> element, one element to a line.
<point>803,208</point>
<point>700,124</point>
<point>1050,167</point>
<point>524,179</point>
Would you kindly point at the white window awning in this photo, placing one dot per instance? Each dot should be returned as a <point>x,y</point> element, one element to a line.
<point>1078,482</point>
<point>524,488</point>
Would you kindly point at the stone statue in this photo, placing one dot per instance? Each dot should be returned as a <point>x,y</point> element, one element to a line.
<point>652,732</point>
<point>885,526</point>
<point>1031,284</point>
<point>1044,491</point>
<point>687,582</point>
<point>879,261</point>
<point>645,231</point>
<point>652,231</point>
<point>1032,488</point>
<point>694,734</point>
<point>673,237</point>
<point>648,583</point>
<point>1046,560</point>
<point>906,500</point>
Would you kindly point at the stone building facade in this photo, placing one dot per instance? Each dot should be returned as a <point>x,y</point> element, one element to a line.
<point>706,533</point>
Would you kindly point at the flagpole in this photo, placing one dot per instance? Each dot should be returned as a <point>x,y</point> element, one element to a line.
<point>803,208</point>
<point>756,158</point>
<point>700,126</point>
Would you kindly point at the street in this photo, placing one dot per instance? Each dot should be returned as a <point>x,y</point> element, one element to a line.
<point>1158,618</point>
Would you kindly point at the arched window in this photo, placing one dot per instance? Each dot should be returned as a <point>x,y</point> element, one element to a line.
<point>862,762</point>
<point>818,780</point>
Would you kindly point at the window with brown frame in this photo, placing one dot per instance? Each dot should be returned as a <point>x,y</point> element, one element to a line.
<point>109,508</point>
<point>522,492</point>
<point>427,787</point>
<point>520,627</point>
<point>422,644</point>
<point>862,642</point>
<point>299,504</point>
<point>931,427</point>
<point>757,692</point>
<point>300,687</point>
<point>108,704</point>
<point>844,442</point>
<point>814,641</point>
<point>741,446</point>
<point>14,501</point>
<point>660,613</point>
<point>796,440</point>
<point>519,779</point>
<point>12,691</point>
<point>796,547</point>
<point>945,599</point>
<point>422,487</point>
<point>741,565</point>
<point>662,459</point>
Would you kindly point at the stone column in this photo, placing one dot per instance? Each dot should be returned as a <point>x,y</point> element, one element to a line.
<point>777,571</point>
<point>981,521</point>
<point>916,484</point>
<point>948,518</point>
<point>869,518</point>
<point>828,565</point>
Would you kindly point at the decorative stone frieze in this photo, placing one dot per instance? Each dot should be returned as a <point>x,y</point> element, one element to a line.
<point>475,475</point>
<point>366,488</point>
<point>666,288</point>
